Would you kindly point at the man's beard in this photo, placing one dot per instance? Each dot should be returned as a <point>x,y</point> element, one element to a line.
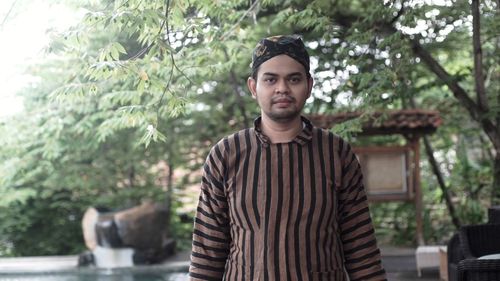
<point>287,114</point>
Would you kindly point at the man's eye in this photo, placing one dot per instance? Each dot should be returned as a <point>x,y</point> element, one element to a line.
<point>295,79</point>
<point>270,80</point>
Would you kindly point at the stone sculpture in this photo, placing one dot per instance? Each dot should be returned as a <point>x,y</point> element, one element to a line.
<point>137,235</point>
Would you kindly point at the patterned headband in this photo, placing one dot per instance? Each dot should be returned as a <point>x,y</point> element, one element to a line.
<point>290,45</point>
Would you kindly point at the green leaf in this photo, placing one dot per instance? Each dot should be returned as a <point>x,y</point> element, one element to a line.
<point>152,134</point>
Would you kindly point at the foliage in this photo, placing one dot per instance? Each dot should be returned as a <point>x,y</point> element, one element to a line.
<point>142,88</point>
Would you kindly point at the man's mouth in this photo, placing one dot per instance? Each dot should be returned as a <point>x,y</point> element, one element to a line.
<point>283,101</point>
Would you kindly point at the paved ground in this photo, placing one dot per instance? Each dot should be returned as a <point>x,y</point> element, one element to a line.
<point>398,262</point>
<point>36,264</point>
<point>403,268</point>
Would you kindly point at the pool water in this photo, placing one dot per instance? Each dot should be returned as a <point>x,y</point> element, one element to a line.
<point>136,273</point>
<point>76,276</point>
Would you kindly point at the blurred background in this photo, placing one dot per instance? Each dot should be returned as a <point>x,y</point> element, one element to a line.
<point>111,104</point>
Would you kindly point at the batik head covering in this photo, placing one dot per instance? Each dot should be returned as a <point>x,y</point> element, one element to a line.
<point>290,45</point>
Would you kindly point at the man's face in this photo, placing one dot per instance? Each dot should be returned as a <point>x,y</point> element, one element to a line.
<point>281,88</point>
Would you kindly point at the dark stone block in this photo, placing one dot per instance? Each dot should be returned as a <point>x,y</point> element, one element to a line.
<point>142,227</point>
<point>152,256</point>
<point>107,234</point>
<point>494,214</point>
<point>86,259</point>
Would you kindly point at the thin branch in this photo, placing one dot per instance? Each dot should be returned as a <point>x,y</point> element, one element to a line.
<point>240,102</point>
<point>147,48</point>
<point>165,89</point>
<point>440,72</point>
<point>482,99</point>
<point>106,8</point>
<point>254,4</point>
<point>170,44</point>
<point>399,14</point>
<point>8,14</point>
<point>141,52</point>
<point>439,176</point>
<point>474,193</point>
<point>489,74</point>
<point>166,25</point>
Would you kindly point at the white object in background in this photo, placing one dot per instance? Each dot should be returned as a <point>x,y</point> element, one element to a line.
<point>490,257</point>
<point>113,257</point>
<point>427,257</point>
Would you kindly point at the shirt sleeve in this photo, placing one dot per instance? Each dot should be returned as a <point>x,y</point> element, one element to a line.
<point>211,238</point>
<point>360,250</point>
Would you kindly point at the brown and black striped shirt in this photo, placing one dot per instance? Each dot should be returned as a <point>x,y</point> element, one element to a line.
<point>286,211</point>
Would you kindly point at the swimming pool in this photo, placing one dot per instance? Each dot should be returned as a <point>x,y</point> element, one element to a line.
<point>112,277</point>
<point>143,273</point>
<point>87,277</point>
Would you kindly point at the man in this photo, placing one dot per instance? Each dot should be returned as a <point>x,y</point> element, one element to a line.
<point>283,200</point>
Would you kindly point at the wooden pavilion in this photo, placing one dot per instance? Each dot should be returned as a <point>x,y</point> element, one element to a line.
<point>391,172</point>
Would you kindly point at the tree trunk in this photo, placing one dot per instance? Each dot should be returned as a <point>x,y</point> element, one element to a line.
<point>439,176</point>
<point>482,99</point>
<point>477,112</point>
<point>495,189</point>
<point>169,182</point>
<point>168,194</point>
<point>131,176</point>
<point>446,193</point>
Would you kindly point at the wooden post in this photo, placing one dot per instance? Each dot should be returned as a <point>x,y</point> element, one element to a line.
<point>415,143</point>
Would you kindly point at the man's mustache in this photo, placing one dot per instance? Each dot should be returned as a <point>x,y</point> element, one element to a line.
<point>279,99</point>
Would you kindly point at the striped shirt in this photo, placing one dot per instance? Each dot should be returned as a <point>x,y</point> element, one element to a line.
<point>286,211</point>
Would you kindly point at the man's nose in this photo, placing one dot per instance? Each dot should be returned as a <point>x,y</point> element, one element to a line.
<point>282,87</point>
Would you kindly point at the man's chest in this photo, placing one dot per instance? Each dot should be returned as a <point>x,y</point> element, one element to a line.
<point>282,184</point>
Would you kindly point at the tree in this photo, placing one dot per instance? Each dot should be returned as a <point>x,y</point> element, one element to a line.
<point>140,85</point>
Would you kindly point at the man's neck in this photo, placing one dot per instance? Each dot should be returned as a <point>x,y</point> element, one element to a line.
<point>279,132</point>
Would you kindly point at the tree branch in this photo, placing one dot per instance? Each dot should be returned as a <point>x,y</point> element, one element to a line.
<point>482,99</point>
<point>7,15</point>
<point>439,176</point>
<point>399,14</point>
<point>252,7</point>
<point>475,112</point>
<point>239,101</point>
<point>442,74</point>
<point>478,113</point>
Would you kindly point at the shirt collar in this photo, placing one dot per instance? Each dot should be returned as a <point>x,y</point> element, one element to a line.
<point>302,138</point>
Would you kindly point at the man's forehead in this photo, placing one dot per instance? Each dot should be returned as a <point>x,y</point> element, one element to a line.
<point>296,73</point>
<point>282,65</point>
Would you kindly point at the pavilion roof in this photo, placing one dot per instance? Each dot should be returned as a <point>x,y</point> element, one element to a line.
<point>407,121</point>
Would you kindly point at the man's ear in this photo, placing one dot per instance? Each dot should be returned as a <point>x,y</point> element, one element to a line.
<point>310,84</point>
<point>252,86</point>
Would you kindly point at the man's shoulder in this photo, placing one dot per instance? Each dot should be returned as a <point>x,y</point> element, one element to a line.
<point>319,130</point>
<point>326,133</point>
<point>339,143</point>
<point>237,136</point>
